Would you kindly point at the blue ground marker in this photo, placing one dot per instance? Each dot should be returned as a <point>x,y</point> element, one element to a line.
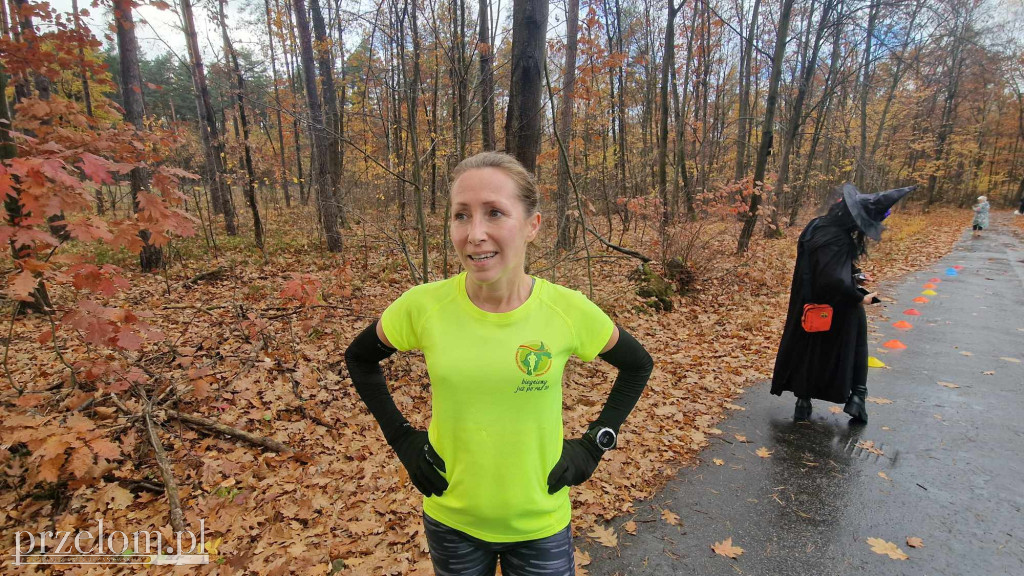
<point>951,272</point>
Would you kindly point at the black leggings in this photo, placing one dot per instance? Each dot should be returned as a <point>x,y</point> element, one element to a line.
<point>455,553</point>
<point>977,227</point>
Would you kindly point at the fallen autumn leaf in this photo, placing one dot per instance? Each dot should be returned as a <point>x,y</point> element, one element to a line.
<point>725,548</point>
<point>879,546</point>
<point>604,536</point>
<point>869,445</point>
<point>670,517</point>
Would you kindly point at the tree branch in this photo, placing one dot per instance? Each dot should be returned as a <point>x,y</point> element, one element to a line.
<point>170,486</point>
<point>267,443</point>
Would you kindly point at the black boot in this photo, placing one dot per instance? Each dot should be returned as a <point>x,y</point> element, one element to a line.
<point>803,409</point>
<point>855,405</point>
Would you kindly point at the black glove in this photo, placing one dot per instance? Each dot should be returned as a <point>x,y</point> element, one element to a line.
<point>420,460</point>
<point>578,462</point>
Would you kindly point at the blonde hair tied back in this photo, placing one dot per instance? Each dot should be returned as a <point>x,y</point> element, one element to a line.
<point>526,184</point>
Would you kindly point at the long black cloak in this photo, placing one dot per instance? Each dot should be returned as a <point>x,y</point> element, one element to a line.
<point>824,365</point>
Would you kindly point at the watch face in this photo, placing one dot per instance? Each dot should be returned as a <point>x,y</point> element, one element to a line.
<point>606,439</point>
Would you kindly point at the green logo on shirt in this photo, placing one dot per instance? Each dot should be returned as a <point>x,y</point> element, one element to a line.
<point>533,358</point>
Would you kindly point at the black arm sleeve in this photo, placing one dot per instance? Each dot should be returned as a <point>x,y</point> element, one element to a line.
<point>363,358</point>
<point>635,366</point>
<point>833,276</point>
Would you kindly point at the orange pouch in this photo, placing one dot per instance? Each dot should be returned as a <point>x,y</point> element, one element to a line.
<point>816,318</point>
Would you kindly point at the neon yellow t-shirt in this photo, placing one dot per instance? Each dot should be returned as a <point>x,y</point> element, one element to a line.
<point>496,389</point>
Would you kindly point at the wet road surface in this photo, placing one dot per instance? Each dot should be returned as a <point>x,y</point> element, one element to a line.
<point>944,463</point>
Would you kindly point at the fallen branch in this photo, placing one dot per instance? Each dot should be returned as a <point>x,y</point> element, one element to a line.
<point>170,486</point>
<point>204,309</point>
<point>208,275</point>
<point>616,247</point>
<point>229,431</point>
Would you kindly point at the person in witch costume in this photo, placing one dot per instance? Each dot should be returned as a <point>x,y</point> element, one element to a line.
<point>832,365</point>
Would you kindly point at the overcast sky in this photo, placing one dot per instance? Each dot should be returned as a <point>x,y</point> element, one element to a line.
<point>159,31</point>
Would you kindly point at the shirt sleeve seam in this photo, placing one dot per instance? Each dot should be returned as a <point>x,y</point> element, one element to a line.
<point>568,322</point>
<point>430,312</point>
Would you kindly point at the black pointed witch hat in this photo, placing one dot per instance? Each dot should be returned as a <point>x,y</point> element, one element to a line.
<point>870,209</point>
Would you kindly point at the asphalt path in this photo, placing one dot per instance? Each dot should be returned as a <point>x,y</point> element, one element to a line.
<point>939,462</point>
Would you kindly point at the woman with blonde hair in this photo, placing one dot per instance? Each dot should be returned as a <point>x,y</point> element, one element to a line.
<point>493,466</point>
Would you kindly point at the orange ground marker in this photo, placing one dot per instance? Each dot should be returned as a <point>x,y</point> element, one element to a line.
<point>921,300</point>
<point>902,325</point>
<point>911,312</point>
<point>895,345</point>
<point>929,286</point>
<point>935,280</point>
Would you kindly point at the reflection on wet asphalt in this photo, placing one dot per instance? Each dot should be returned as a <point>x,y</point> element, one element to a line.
<point>940,463</point>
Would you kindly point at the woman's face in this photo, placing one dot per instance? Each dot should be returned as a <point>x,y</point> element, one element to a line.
<point>490,227</point>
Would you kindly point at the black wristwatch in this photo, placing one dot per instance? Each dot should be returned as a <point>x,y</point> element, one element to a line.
<point>604,437</point>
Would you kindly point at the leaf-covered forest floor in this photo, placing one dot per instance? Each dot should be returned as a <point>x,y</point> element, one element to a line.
<point>240,348</point>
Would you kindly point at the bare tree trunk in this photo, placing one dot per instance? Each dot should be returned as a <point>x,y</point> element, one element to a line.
<point>86,91</point>
<point>325,64</point>
<point>460,79</point>
<point>213,147</point>
<point>434,130</point>
<point>955,68</point>
<point>13,208</point>
<point>825,107</point>
<point>291,68</point>
<point>151,256</point>
<point>22,14</point>
<point>487,77</point>
<point>565,115</point>
<point>668,62</point>
<point>743,119</point>
<point>897,77</point>
<point>796,118</point>
<point>768,129</point>
<point>410,85</point>
<point>250,180</point>
<point>283,176</point>
<point>321,174</point>
<point>86,95</point>
<point>865,86</point>
<point>523,121</point>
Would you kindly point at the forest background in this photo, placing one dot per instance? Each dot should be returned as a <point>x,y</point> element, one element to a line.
<point>195,235</point>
